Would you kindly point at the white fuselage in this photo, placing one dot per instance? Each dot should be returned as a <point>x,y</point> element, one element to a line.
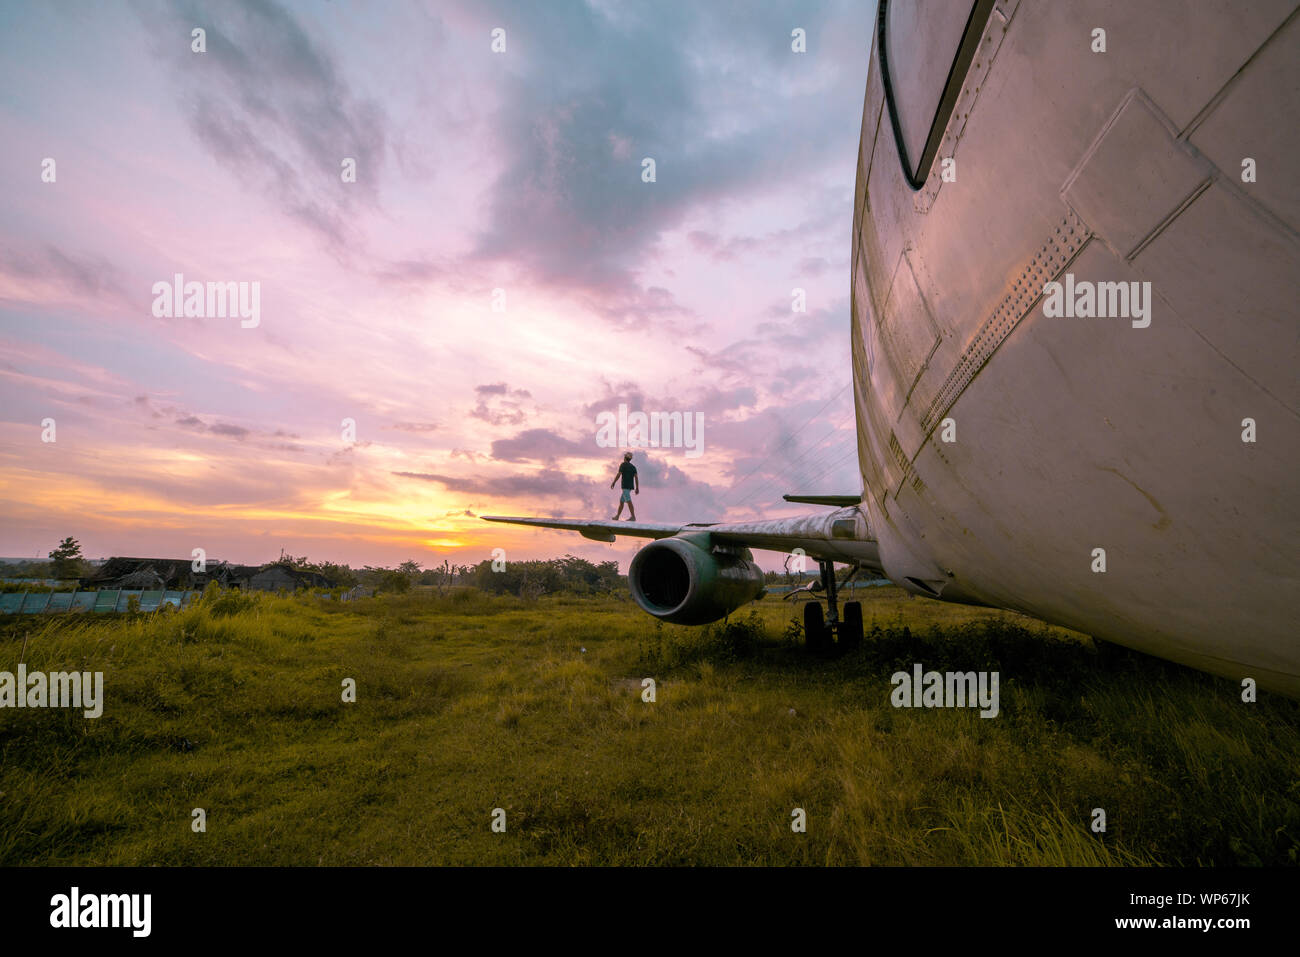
<point>1011,445</point>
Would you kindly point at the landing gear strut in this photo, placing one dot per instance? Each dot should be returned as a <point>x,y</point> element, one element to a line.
<point>820,633</point>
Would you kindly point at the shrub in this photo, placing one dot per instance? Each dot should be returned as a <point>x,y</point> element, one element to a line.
<point>231,603</point>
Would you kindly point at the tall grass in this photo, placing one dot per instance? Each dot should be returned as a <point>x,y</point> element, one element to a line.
<point>468,702</point>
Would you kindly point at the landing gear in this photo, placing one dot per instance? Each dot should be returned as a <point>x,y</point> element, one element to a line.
<point>851,626</point>
<point>820,633</point>
<point>816,636</point>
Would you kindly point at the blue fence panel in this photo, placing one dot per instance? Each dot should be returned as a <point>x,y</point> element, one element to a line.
<point>34,603</point>
<point>106,600</point>
<point>60,601</point>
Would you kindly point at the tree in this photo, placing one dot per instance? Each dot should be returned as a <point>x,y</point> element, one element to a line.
<point>569,574</point>
<point>336,575</point>
<point>394,581</point>
<point>442,576</point>
<point>340,575</point>
<point>67,562</point>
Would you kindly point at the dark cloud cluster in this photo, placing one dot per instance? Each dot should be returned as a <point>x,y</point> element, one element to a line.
<point>498,404</point>
<point>597,93</point>
<point>667,491</point>
<point>541,445</point>
<point>269,103</point>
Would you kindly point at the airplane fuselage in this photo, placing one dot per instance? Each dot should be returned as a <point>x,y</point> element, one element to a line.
<point>1127,466</point>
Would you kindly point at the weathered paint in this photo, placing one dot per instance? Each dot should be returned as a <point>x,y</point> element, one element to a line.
<point>1074,434</point>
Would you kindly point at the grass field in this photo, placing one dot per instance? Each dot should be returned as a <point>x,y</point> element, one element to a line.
<point>466,703</point>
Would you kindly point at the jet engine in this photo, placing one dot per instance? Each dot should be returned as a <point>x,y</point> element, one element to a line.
<point>685,581</point>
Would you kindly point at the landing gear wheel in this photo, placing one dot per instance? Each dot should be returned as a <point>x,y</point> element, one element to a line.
<point>851,626</point>
<point>816,636</point>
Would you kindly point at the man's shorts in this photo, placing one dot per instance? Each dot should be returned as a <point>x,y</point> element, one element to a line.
<point>627,496</point>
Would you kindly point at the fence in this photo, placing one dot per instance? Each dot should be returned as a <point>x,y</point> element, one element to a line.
<point>105,599</point>
<point>353,593</point>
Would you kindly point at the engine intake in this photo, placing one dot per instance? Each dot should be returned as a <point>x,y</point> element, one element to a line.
<point>685,582</point>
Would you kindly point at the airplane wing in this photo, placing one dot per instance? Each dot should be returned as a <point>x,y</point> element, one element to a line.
<point>597,531</point>
<point>837,536</point>
<point>697,572</point>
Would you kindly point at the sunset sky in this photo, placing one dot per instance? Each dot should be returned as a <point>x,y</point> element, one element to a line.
<point>475,170</point>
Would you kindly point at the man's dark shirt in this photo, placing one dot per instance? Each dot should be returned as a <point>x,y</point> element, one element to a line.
<point>628,471</point>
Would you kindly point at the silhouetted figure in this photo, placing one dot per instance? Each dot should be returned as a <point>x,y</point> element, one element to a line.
<point>627,471</point>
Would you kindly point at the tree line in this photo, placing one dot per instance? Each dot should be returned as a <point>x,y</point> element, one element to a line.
<point>570,574</point>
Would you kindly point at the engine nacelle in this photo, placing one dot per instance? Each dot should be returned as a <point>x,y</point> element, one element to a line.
<point>681,580</point>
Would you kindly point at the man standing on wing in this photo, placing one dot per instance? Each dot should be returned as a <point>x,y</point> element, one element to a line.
<point>630,484</point>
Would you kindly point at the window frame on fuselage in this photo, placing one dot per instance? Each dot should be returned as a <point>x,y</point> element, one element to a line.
<point>976,22</point>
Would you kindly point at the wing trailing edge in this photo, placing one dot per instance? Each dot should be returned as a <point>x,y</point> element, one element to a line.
<point>597,531</point>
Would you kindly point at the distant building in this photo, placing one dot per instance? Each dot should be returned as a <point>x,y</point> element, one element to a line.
<point>179,574</point>
<point>174,573</point>
<point>279,575</point>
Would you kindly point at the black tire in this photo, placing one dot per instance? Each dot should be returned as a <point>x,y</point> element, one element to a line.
<point>816,636</point>
<point>851,626</point>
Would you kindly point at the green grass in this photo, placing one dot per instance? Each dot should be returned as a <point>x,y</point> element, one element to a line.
<point>467,703</point>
